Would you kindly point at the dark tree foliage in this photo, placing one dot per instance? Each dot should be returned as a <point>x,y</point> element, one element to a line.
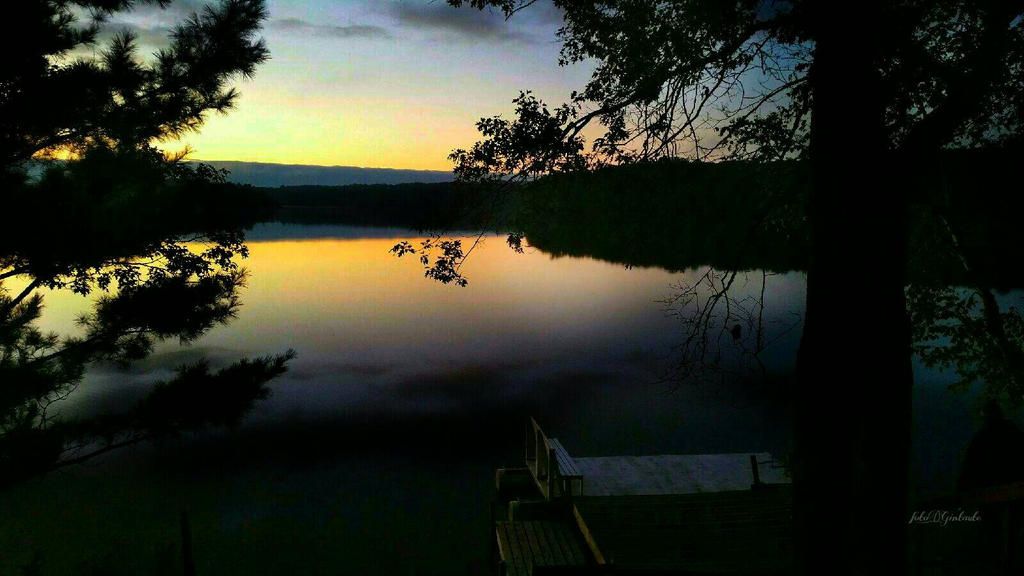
<point>51,99</point>
<point>710,80</point>
<point>965,330</point>
<point>730,80</point>
<point>158,238</point>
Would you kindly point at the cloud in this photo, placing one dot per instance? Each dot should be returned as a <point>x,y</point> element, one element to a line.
<point>176,11</point>
<point>147,36</point>
<point>545,13</point>
<point>351,31</point>
<point>464,23</point>
<point>151,24</point>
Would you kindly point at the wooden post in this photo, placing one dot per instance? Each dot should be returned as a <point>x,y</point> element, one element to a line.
<point>551,472</point>
<point>1005,538</point>
<point>525,445</point>
<point>188,563</point>
<point>757,473</point>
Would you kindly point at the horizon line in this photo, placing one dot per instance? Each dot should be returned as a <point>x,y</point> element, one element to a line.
<point>320,165</point>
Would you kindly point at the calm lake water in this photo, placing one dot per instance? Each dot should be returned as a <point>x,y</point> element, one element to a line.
<point>376,451</point>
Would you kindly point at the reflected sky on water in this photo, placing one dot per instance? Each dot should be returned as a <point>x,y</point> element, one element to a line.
<point>382,438</point>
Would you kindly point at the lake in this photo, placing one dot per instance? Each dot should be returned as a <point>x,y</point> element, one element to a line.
<point>377,449</point>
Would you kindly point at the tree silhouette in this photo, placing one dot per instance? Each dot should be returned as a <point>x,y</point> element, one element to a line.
<point>52,100</point>
<point>894,82</point>
<point>962,325</point>
<point>91,204</point>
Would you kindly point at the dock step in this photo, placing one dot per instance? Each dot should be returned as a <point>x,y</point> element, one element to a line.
<point>525,545</point>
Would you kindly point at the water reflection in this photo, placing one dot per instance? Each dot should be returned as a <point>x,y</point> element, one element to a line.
<point>406,394</point>
<point>735,325</point>
<point>381,439</point>
<point>158,266</point>
<point>374,337</point>
<point>532,333</point>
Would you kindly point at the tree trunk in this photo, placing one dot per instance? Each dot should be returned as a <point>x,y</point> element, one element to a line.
<point>854,374</point>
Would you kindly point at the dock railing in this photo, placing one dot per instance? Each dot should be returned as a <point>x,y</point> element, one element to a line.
<point>551,466</point>
<point>539,457</point>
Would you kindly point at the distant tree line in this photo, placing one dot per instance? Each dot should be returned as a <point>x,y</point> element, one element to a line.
<point>749,215</point>
<point>677,214</point>
<point>417,205</point>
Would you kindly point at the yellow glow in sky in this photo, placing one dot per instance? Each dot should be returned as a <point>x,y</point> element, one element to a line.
<point>374,133</point>
<point>402,97</point>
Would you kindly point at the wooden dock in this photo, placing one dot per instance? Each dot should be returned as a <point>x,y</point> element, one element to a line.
<point>676,473</point>
<point>679,514</point>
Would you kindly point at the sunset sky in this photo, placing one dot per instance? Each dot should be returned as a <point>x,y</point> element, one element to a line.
<point>386,84</point>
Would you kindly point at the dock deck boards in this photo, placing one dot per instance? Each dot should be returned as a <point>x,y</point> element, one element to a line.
<point>523,545</point>
<point>674,474</point>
